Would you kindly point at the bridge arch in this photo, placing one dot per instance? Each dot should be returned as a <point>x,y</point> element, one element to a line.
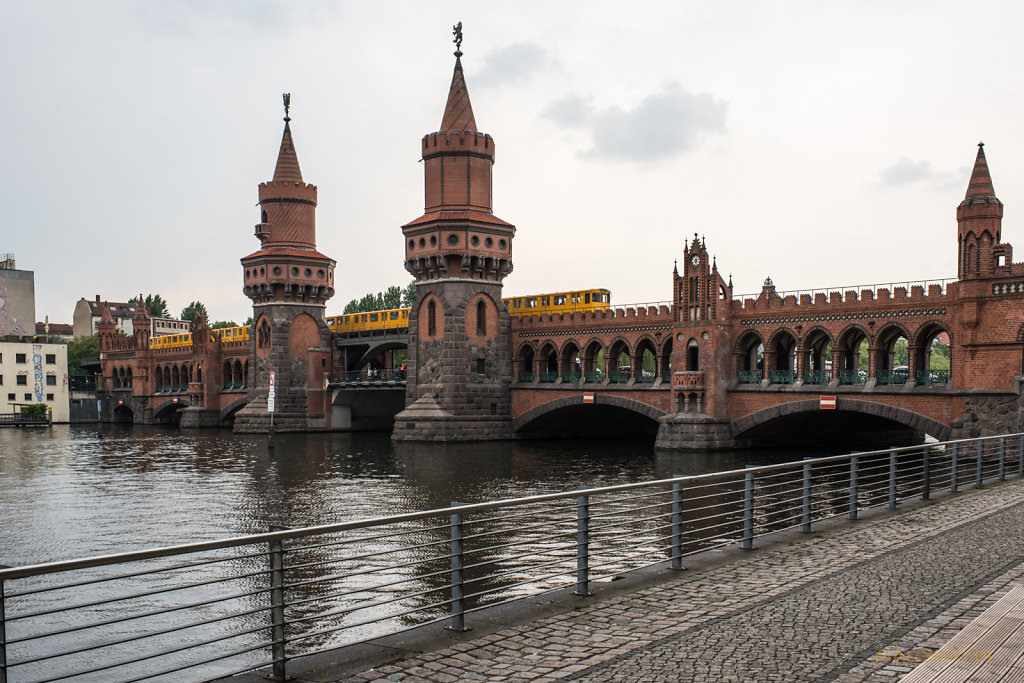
<point>749,353</point>
<point>167,411</point>
<point>613,352</point>
<point>591,349</point>
<point>921,346</point>
<point>545,417</point>
<point>571,359</point>
<point>644,345</point>
<point>885,347</point>
<point>907,418</point>
<point>780,351</point>
<point>228,412</point>
<point>815,355</point>
<point>547,360</point>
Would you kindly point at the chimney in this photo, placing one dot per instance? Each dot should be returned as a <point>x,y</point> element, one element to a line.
<point>97,298</point>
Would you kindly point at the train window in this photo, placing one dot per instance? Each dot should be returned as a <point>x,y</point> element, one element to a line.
<point>393,315</point>
<point>531,303</point>
<point>545,301</point>
<point>373,317</point>
<point>586,298</point>
<point>560,300</point>
<point>575,298</point>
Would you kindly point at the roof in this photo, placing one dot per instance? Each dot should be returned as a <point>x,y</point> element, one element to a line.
<point>457,217</point>
<point>458,110</point>
<point>55,328</point>
<point>116,309</point>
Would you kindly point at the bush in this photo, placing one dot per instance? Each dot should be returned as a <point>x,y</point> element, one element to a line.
<point>35,410</point>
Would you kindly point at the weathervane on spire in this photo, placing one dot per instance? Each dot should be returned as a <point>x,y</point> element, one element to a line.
<point>457,32</point>
<point>287,97</point>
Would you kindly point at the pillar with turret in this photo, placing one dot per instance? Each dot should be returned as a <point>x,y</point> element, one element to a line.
<point>289,283</point>
<point>459,252</point>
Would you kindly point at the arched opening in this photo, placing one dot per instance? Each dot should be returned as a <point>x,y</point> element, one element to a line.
<point>548,363</point>
<point>227,375</point>
<point>571,365</point>
<point>175,378</point>
<point>665,360</point>
<point>852,355</point>
<point>645,362</point>
<point>817,357</point>
<point>158,379</point>
<point>608,416</point>
<point>932,359</point>
<point>129,377</point>
<point>749,354</point>
<point>617,362</point>
<point>781,358</point>
<point>692,405</point>
<point>123,414</point>
<point>524,363</point>
<point>692,355</point>
<point>431,318</point>
<point>481,318</point>
<point>593,362</point>
<point>263,336</point>
<point>892,357</point>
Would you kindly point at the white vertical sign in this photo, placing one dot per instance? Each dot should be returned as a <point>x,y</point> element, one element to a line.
<point>270,395</point>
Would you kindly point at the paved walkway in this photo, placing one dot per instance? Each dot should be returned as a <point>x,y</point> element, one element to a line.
<point>853,602</point>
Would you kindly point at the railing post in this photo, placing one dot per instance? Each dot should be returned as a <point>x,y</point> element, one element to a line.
<point>1020,456</point>
<point>892,480</point>
<point>582,546</point>
<point>926,474</point>
<point>748,510</point>
<point>978,474</point>
<point>805,507</point>
<point>1002,458</point>
<point>277,635</point>
<point>676,544</point>
<point>458,620</point>
<point>954,467</point>
<point>853,487</point>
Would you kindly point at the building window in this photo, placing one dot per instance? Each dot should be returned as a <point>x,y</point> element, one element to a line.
<point>481,318</point>
<point>1,380</point>
<point>10,397</point>
<point>49,397</point>
<point>51,380</point>
<point>22,380</point>
<point>480,366</point>
<point>20,358</point>
<point>28,397</point>
<point>431,323</point>
<point>51,359</point>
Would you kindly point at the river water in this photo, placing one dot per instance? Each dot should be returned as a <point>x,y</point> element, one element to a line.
<point>76,491</point>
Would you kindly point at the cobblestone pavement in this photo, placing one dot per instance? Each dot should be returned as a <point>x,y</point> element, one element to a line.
<point>822,608</point>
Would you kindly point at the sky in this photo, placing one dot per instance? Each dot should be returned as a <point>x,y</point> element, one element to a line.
<point>825,145</point>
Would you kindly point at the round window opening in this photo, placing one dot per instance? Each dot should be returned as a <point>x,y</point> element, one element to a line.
<point>453,239</point>
<point>433,240</point>
<point>474,240</point>
<point>319,273</point>
<point>295,271</point>
<point>412,244</point>
<point>277,270</point>
<point>308,272</point>
<point>501,243</point>
<point>423,243</point>
<point>489,242</point>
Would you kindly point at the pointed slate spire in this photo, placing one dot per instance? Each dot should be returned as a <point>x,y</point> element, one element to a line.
<point>981,181</point>
<point>287,168</point>
<point>458,111</point>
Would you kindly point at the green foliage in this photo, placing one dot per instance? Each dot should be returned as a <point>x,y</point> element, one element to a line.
<point>940,356</point>
<point>409,295</point>
<point>79,349</point>
<point>391,298</point>
<point>223,323</point>
<point>35,410</point>
<point>196,307</point>
<point>900,355</point>
<point>154,303</point>
<point>248,321</point>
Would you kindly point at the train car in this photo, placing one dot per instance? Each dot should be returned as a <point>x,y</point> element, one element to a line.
<point>372,322</point>
<point>580,300</point>
<point>171,341</point>
<point>226,334</point>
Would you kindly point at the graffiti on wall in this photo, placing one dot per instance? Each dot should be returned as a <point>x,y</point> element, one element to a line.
<point>16,328</point>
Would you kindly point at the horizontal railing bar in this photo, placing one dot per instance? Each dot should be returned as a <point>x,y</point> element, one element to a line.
<point>356,558</point>
<point>538,551</point>
<point>362,539</point>
<point>369,589</point>
<point>370,604</point>
<point>104,560</point>
<point>313,582</point>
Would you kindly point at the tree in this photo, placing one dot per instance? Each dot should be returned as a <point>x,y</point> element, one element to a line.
<point>248,321</point>
<point>79,349</point>
<point>392,297</point>
<point>409,295</point>
<point>222,324</point>
<point>154,303</point>
<point>189,312</point>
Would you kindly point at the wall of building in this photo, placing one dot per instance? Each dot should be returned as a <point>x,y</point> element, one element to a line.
<point>17,302</point>
<point>34,373</point>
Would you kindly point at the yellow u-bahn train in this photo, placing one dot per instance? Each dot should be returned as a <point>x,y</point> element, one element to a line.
<point>535,304</point>
<point>178,341</point>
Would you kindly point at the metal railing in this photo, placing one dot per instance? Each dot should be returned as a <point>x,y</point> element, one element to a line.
<point>216,608</point>
<point>370,376</point>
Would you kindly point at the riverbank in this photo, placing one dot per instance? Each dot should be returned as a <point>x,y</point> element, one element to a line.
<point>854,601</point>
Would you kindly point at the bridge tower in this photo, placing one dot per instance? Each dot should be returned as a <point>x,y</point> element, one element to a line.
<point>979,219</point>
<point>460,369</point>
<point>289,283</point>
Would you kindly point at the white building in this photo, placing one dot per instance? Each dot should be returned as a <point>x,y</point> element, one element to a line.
<point>89,313</point>
<point>34,373</point>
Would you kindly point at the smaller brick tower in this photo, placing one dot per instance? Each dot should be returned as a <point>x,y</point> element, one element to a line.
<point>460,369</point>
<point>289,283</point>
<point>979,221</point>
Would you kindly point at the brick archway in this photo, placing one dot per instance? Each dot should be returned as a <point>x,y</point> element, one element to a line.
<point>908,418</point>
<point>529,416</point>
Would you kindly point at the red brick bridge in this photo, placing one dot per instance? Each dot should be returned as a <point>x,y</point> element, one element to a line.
<point>706,369</point>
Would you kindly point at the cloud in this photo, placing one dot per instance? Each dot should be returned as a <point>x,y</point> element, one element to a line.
<point>908,172</point>
<point>512,63</point>
<point>662,126</point>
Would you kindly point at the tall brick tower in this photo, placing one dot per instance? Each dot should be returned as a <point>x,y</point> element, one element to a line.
<point>289,283</point>
<point>979,221</point>
<point>460,367</point>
